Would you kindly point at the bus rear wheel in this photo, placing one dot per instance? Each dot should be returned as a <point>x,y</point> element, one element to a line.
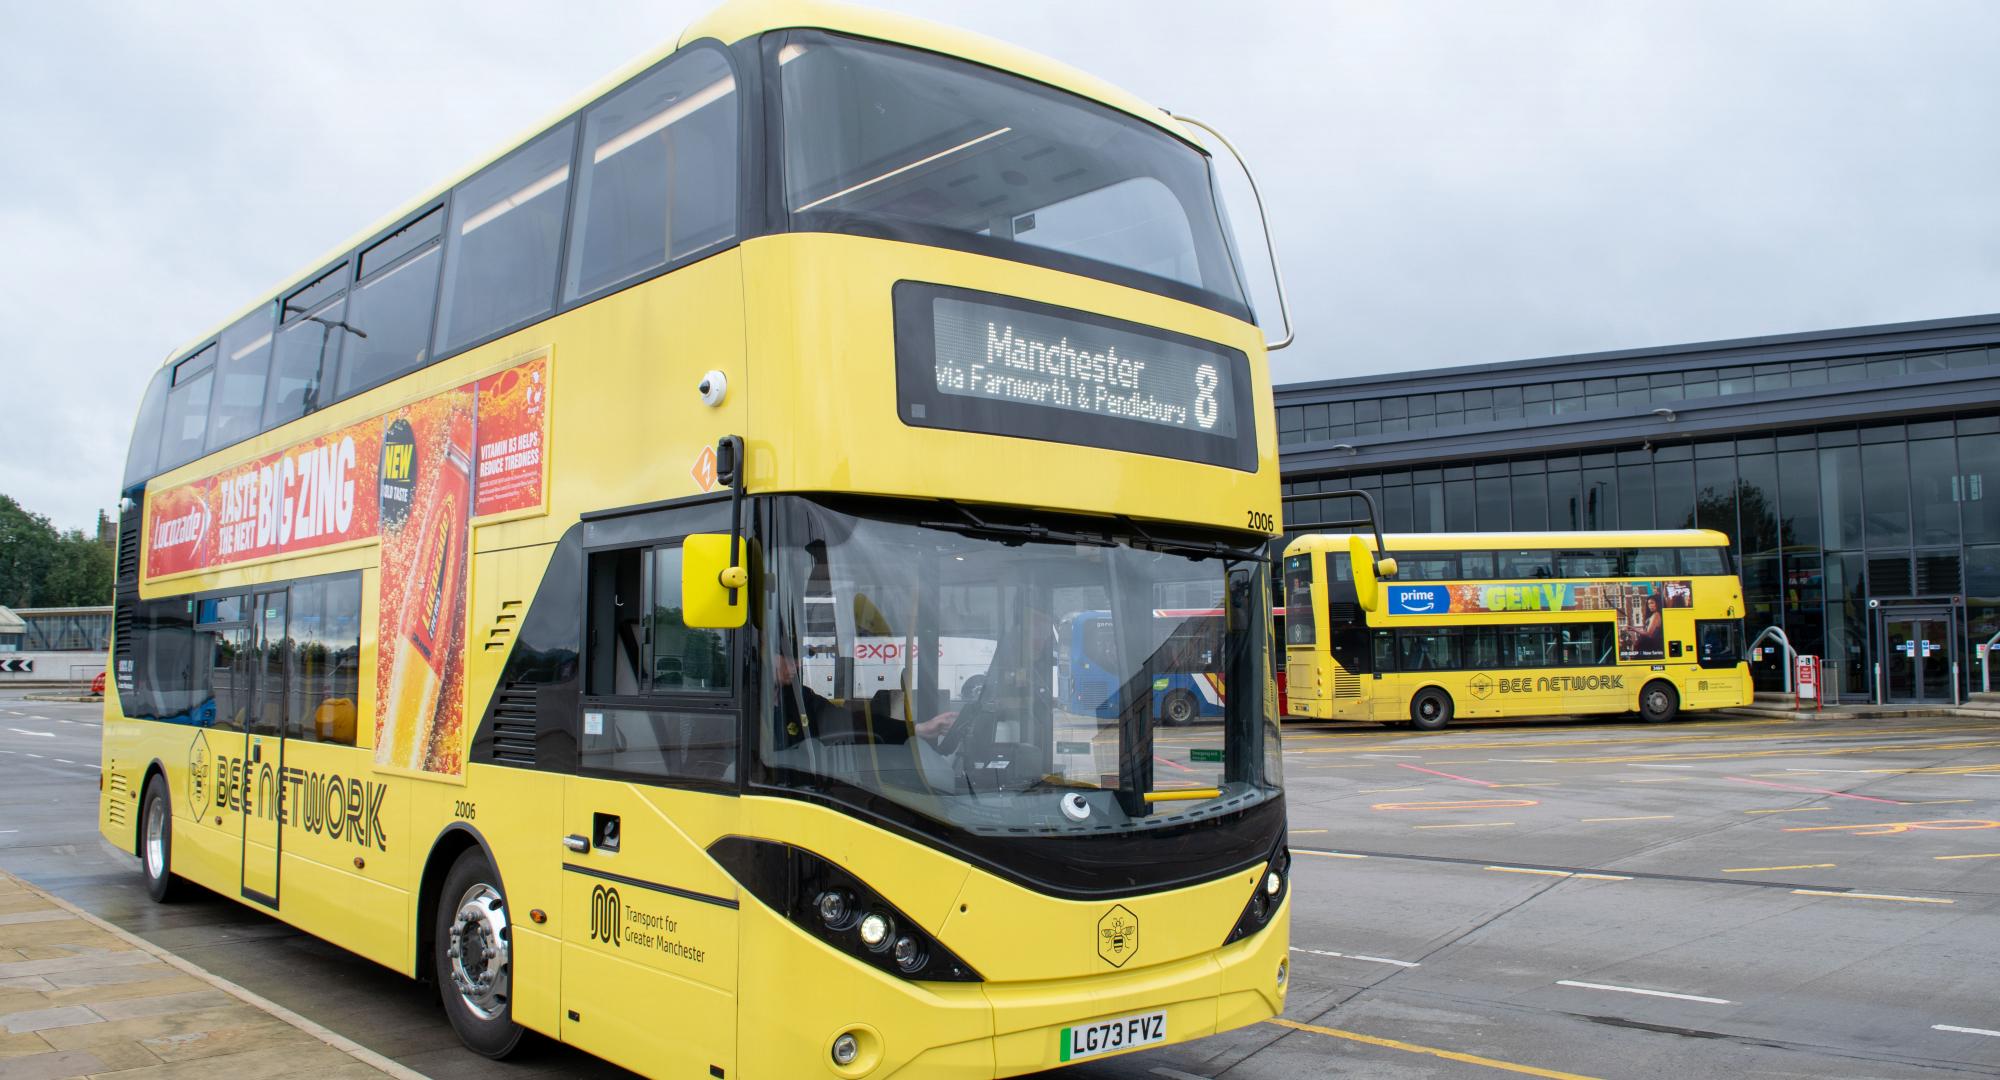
<point>156,843</point>
<point>1430,710</point>
<point>473,957</point>
<point>1179,708</point>
<point>1659,702</point>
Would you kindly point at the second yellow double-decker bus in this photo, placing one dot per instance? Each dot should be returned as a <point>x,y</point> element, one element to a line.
<point>1512,624</point>
<point>627,586</point>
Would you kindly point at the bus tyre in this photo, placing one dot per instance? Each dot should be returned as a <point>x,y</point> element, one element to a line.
<point>1179,708</point>
<point>473,957</point>
<point>1430,710</point>
<point>156,843</point>
<point>1659,702</point>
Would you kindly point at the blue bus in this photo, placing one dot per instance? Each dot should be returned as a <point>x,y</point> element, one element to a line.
<point>1187,679</point>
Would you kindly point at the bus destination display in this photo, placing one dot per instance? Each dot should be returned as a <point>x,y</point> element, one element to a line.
<point>1000,365</point>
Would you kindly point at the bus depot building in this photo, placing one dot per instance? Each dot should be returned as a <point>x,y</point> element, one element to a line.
<point>1857,473</point>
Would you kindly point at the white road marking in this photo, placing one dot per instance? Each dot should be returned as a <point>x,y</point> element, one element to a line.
<point>1558,873</point>
<point>1648,993</point>
<point>1328,854</point>
<point>25,731</point>
<point>65,761</point>
<point>37,757</point>
<point>1358,956</point>
<point>1872,896</point>
<point>4,832</point>
<point>1965,1030</point>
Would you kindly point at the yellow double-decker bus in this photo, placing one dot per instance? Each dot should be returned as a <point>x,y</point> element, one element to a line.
<point>1491,625</point>
<point>626,586</point>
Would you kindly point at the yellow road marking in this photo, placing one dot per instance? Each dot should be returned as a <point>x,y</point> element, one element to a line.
<point>1801,866</point>
<point>1414,1048</point>
<point>1473,825</point>
<point>1792,810</point>
<point>1652,780</point>
<point>1873,896</point>
<point>1992,855</point>
<point>1296,832</point>
<point>1940,802</point>
<point>1643,817</point>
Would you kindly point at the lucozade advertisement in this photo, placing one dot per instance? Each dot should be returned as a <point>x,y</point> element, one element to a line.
<point>416,479</point>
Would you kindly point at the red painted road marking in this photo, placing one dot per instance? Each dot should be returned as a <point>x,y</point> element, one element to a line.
<point>1813,790</point>
<point>1462,804</point>
<point>1446,775</point>
<point>1175,764</point>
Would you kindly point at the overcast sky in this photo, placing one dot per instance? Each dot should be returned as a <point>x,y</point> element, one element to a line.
<point>1450,183</point>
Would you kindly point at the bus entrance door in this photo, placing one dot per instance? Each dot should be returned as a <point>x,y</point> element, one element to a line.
<point>263,751</point>
<point>648,916</point>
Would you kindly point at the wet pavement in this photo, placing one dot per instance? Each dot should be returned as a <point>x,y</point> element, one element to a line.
<point>1752,897</point>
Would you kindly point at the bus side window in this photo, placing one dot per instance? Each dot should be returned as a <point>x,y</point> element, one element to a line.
<point>1703,562</point>
<point>503,242</point>
<point>326,634</point>
<point>658,178</point>
<point>616,623</point>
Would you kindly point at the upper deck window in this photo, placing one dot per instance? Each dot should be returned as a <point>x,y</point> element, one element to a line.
<point>187,409</point>
<point>503,242</point>
<point>658,178</point>
<point>891,141</point>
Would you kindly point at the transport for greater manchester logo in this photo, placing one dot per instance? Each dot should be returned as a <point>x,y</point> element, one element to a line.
<point>1117,936</point>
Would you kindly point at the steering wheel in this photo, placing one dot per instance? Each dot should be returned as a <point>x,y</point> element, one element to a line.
<point>975,714</point>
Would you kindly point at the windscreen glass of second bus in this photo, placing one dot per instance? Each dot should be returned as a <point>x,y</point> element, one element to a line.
<point>993,680</point>
<point>891,140</point>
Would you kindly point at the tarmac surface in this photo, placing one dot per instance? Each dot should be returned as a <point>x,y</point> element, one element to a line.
<point>1751,898</point>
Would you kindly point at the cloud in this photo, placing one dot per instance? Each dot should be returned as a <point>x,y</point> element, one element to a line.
<point>1451,183</point>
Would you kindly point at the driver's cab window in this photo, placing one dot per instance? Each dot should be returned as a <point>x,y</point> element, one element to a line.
<point>657,691</point>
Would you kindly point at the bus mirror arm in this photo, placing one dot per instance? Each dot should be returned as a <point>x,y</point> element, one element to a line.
<point>1270,247</point>
<point>729,470</point>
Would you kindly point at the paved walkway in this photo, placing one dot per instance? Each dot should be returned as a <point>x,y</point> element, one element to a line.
<point>80,997</point>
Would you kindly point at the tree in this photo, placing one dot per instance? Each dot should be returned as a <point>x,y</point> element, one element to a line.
<point>41,566</point>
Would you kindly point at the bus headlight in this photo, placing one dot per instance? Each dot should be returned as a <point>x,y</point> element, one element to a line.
<point>909,953</point>
<point>1266,897</point>
<point>835,908</point>
<point>831,904</point>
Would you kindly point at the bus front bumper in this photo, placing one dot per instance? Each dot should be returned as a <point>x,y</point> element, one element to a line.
<point>1233,987</point>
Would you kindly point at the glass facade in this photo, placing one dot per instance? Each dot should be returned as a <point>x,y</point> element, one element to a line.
<point>1306,424</point>
<point>1822,521</point>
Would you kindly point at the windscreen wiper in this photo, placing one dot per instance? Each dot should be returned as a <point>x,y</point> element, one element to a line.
<point>1217,548</point>
<point>1008,532</point>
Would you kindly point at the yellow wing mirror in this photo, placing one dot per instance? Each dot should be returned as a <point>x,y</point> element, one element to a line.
<point>1368,570</point>
<point>712,596</point>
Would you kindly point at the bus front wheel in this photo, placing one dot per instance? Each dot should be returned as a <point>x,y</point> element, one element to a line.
<point>473,956</point>
<point>1430,710</point>
<point>1179,708</point>
<point>1659,702</point>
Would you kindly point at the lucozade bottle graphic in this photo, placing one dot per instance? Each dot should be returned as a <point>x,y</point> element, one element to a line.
<point>422,645</point>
